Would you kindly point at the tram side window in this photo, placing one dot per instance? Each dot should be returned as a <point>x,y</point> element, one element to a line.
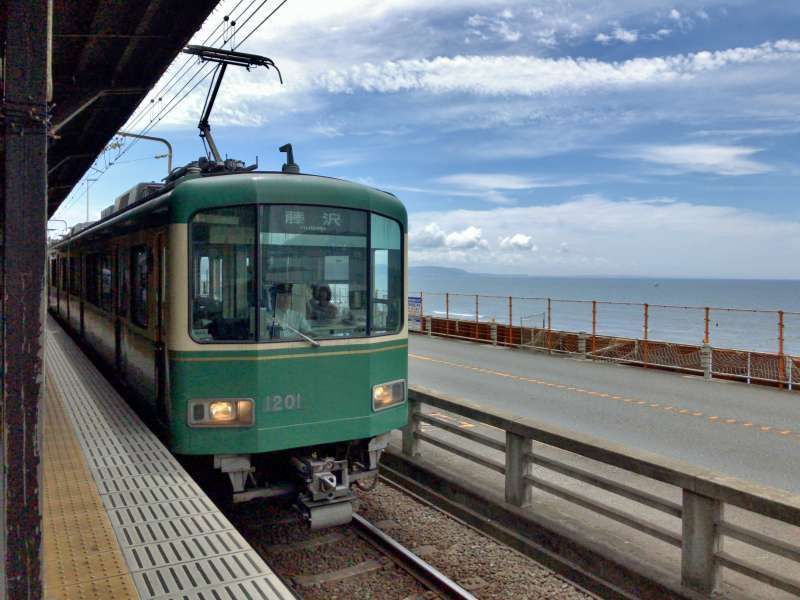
<point>106,290</point>
<point>75,275</point>
<point>91,279</point>
<point>139,281</point>
<point>124,285</point>
<point>63,279</point>
<point>387,275</point>
<point>223,269</point>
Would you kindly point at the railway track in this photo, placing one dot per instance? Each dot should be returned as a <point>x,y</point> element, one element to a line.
<point>426,574</point>
<point>357,560</point>
<point>398,547</point>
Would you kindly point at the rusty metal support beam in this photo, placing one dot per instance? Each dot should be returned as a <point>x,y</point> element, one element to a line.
<point>24,231</point>
<point>94,98</point>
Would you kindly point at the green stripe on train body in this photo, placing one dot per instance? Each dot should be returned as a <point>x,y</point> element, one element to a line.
<point>302,398</point>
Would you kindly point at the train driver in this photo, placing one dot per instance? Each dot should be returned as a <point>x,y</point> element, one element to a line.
<point>287,319</point>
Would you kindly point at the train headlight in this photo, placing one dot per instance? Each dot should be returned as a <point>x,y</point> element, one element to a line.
<point>388,394</point>
<point>222,411</point>
<point>233,412</point>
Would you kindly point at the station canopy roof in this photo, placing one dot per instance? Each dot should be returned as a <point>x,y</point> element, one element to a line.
<point>107,55</point>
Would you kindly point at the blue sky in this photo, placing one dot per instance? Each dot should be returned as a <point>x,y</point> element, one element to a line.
<point>542,137</point>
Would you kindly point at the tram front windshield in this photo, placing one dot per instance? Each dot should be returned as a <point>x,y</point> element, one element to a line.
<point>294,272</point>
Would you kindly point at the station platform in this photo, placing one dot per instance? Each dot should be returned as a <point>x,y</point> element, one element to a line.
<point>121,517</point>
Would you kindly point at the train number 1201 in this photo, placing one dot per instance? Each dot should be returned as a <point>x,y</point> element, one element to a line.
<point>278,403</point>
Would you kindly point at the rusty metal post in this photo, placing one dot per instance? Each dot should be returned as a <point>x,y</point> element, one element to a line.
<point>707,334</point>
<point>447,312</point>
<point>510,339</point>
<point>549,324</point>
<point>477,320</point>
<point>645,332</point>
<point>594,327</point>
<point>23,235</point>
<point>781,369</point>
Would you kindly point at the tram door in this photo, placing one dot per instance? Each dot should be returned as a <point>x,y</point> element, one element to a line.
<point>160,346</point>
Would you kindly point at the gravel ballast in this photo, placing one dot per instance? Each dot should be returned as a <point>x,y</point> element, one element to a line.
<point>484,567</point>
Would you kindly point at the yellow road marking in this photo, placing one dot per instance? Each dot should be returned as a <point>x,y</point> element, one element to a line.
<point>676,410</point>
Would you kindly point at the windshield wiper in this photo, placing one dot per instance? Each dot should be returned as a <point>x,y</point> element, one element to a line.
<point>310,340</point>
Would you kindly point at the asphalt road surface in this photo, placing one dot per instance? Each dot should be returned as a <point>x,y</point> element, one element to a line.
<point>747,431</point>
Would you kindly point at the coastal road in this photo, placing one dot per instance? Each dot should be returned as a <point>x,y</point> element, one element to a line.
<point>747,431</point>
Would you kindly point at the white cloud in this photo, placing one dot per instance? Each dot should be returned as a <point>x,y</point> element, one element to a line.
<point>703,158</point>
<point>627,36</point>
<point>659,35</point>
<point>500,181</point>
<point>481,25</point>
<point>433,236</point>
<point>518,241</point>
<point>683,20</point>
<point>595,235</point>
<point>471,237</point>
<point>530,75</point>
<point>430,236</point>
<point>325,130</point>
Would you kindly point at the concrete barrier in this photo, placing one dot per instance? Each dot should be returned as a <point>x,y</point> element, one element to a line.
<point>704,492</point>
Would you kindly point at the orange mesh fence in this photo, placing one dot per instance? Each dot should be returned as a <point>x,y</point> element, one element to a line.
<point>745,344</point>
<point>739,329</point>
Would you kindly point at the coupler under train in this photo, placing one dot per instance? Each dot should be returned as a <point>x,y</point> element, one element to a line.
<point>320,484</point>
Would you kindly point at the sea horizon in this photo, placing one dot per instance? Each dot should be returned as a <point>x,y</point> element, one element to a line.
<point>731,324</point>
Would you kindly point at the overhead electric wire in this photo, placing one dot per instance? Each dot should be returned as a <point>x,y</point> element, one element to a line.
<point>164,111</point>
<point>175,100</point>
<point>154,120</point>
<point>260,24</point>
<point>168,85</point>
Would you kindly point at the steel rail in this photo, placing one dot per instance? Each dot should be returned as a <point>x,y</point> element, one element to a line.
<point>426,574</point>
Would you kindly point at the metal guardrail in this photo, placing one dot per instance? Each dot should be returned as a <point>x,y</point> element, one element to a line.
<point>704,492</point>
<point>655,335</point>
<point>766,368</point>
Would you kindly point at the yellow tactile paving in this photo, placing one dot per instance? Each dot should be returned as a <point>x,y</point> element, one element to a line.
<point>82,559</point>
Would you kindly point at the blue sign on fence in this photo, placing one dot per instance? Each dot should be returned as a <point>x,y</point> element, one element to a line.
<point>415,313</point>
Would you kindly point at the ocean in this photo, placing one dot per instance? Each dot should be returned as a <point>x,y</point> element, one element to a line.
<point>741,329</point>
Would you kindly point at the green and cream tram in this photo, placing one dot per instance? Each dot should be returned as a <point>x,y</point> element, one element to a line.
<point>259,316</point>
